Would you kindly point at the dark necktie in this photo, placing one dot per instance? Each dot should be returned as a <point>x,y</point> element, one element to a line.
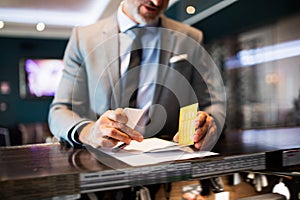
<point>131,79</point>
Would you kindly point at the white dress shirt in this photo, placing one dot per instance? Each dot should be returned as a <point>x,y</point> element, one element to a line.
<point>150,57</point>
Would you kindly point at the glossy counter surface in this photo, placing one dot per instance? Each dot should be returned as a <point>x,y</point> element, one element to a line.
<point>46,170</point>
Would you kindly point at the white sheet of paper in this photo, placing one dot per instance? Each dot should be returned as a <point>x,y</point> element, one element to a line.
<point>153,145</point>
<point>151,150</point>
<point>133,115</point>
<point>141,153</point>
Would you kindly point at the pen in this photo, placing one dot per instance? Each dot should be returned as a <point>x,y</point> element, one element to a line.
<point>118,148</point>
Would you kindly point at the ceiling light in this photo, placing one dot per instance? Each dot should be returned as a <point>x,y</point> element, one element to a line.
<point>1,24</point>
<point>208,12</point>
<point>40,26</point>
<point>190,10</point>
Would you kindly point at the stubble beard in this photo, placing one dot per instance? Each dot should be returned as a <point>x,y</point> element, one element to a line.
<point>146,18</point>
<point>143,18</point>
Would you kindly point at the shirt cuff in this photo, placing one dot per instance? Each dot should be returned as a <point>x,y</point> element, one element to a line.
<point>74,132</point>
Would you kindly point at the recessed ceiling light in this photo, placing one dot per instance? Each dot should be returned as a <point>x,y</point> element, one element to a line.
<point>1,24</point>
<point>40,26</point>
<point>190,10</point>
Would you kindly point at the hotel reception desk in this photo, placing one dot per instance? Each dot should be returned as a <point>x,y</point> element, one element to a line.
<point>42,171</point>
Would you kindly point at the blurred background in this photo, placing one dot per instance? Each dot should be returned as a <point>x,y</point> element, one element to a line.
<point>255,44</point>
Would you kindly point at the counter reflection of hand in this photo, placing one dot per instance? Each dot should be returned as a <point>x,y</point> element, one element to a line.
<point>108,130</point>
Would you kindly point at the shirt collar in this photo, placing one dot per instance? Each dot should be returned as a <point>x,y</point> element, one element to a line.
<point>124,21</point>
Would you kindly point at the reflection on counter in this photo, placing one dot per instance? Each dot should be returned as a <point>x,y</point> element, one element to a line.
<point>26,133</point>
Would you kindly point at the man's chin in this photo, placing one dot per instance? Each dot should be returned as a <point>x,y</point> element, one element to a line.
<point>147,19</point>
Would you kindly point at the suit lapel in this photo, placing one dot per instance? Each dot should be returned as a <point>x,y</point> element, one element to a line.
<point>111,34</point>
<point>167,42</point>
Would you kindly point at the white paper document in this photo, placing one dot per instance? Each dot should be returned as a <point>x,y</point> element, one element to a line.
<point>153,151</point>
<point>149,151</point>
<point>133,115</point>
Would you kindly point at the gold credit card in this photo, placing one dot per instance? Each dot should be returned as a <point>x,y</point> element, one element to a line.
<point>186,128</point>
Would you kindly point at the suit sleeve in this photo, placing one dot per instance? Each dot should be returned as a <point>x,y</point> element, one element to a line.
<point>207,81</point>
<point>69,108</point>
<point>210,88</point>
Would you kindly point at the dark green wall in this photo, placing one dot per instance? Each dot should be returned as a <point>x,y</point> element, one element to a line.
<point>11,51</point>
<point>246,14</point>
<point>238,17</point>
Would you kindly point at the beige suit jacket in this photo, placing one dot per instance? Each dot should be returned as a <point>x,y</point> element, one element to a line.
<point>89,85</point>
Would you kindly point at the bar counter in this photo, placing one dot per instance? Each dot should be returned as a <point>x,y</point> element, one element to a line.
<point>41,171</point>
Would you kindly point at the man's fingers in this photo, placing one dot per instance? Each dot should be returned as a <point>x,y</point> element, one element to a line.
<point>176,137</point>
<point>198,135</point>
<point>115,120</point>
<point>115,134</point>
<point>133,134</point>
<point>208,139</point>
<point>205,126</point>
<point>109,129</point>
<point>200,119</point>
<point>108,142</point>
<point>117,115</point>
<point>108,137</point>
<point>199,144</point>
<point>201,131</point>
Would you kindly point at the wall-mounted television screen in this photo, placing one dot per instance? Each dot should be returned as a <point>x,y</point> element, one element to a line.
<point>39,77</point>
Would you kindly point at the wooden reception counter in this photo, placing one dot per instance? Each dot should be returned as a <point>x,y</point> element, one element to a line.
<point>47,170</point>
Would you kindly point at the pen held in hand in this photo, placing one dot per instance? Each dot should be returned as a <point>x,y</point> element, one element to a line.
<point>119,147</point>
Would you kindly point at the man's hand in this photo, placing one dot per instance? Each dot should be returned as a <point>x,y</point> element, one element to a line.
<point>206,128</point>
<point>205,131</point>
<point>108,130</point>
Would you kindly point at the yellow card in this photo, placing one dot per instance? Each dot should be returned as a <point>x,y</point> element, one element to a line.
<point>186,128</point>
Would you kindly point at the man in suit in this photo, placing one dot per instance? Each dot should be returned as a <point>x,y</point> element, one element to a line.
<point>88,105</point>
